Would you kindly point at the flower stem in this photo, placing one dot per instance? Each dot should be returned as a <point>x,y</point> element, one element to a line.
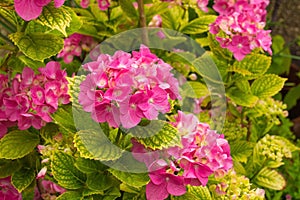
<point>142,22</point>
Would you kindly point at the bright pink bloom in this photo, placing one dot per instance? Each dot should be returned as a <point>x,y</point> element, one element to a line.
<point>32,9</point>
<point>162,184</point>
<point>7,190</point>
<point>202,4</point>
<point>130,84</point>
<point>103,4</point>
<point>239,46</point>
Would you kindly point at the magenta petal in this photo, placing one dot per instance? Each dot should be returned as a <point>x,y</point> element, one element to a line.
<point>28,9</point>
<point>58,3</point>
<point>156,192</point>
<point>176,186</point>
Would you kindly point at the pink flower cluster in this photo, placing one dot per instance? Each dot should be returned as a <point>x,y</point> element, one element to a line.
<point>102,4</point>
<point>32,9</point>
<point>203,153</point>
<point>74,45</point>
<point>29,99</point>
<point>243,22</point>
<point>50,191</point>
<point>123,88</point>
<point>7,190</point>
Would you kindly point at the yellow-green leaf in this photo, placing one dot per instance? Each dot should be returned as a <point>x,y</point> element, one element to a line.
<point>38,46</point>
<point>131,179</point>
<point>198,25</point>
<point>95,145</point>
<point>156,134</point>
<point>55,18</point>
<point>267,85</point>
<point>270,178</point>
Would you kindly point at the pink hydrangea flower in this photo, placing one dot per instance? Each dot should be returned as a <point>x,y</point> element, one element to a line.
<point>102,4</point>
<point>32,9</point>
<point>203,152</point>
<point>32,98</point>
<point>74,45</point>
<point>7,190</point>
<point>124,88</point>
<point>243,23</point>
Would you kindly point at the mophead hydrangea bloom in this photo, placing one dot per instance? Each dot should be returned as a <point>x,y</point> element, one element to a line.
<point>203,152</point>
<point>124,88</point>
<point>240,26</point>
<point>29,99</point>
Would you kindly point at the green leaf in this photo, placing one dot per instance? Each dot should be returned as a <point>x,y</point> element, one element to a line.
<point>95,145</point>
<point>8,167</point>
<point>63,117</point>
<point>270,178</point>
<point>38,46</point>
<point>74,195</point>
<point>280,64</point>
<point>55,18</point>
<point>206,67</point>
<point>241,150</point>
<point>23,178</point>
<point>156,134</point>
<point>241,98</point>
<point>89,166</point>
<point>198,25</point>
<point>195,193</point>
<point>267,85</point>
<point>252,66</point>
<point>99,181</point>
<point>128,8</point>
<point>156,9</point>
<point>33,64</point>
<point>17,144</point>
<point>131,179</point>
<point>291,98</point>
<point>194,89</point>
<point>64,171</point>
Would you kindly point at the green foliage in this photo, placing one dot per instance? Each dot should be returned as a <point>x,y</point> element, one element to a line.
<point>17,144</point>
<point>290,99</point>
<point>194,89</point>
<point>156,134</point>
<point>64,171</point>
<point>267,85</point>
<point>280,64</point>
<point>37,46</point>
<point>55,18</point>
<point>8,167</point>
<point>270,178</point>
<point>94,144</point>
<point>129,178</point>
<point>22,178</point>
<point>199,25</point>
<point>128,8</point>
<point>195,193</point>
<point>63,117</point>
<point>74,195</point>
<point>252,66</point>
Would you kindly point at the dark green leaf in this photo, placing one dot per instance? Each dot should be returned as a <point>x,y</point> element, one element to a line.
<point>23,178</point>
<point>17,144</point>
<point>64,171</point>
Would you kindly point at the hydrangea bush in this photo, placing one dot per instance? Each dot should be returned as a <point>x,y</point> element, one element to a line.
<point>176,102</point>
